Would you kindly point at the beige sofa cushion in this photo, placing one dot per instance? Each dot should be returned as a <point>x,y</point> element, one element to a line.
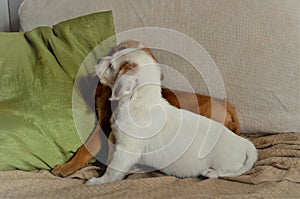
<point>255,45</point>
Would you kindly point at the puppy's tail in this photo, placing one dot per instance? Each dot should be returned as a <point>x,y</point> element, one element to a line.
<point>251,158</point>
<point>235,124</point>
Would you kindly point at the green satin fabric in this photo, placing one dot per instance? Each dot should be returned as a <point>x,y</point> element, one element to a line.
<point>37,73</point>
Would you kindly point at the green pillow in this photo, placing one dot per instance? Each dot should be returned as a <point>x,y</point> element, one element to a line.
<point>38,70</point>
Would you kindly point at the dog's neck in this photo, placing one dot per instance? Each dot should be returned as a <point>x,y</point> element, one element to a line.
<point>148,75</point>
<point>148,88</point>
<point>140,103</point>
<point>147,92</point>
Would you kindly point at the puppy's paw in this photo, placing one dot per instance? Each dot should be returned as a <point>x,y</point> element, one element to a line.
<point>61,171</point>
<point>210,173</point>
<point>95,181</point>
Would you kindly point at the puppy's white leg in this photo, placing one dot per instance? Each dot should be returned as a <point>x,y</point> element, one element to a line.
<point>210,173</point>
<point>120,165</point>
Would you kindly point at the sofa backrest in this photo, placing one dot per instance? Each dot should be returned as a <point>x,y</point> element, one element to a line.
<point>255,45</point>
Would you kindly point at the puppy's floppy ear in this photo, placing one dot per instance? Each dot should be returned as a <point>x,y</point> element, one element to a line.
<point>124,85</point>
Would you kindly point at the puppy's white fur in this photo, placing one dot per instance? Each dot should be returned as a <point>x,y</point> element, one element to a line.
<point>172,141</point>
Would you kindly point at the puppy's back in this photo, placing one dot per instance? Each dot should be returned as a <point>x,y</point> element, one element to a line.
<point>201,104</point>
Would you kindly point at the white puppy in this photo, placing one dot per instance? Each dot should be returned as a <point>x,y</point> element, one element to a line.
<point>151,132</point>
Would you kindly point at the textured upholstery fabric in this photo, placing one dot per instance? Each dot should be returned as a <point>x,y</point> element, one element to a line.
<point>275,175</point>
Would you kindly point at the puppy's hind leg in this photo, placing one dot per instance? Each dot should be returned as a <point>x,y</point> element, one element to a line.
<point>122,162</point>
<point>210,173</point>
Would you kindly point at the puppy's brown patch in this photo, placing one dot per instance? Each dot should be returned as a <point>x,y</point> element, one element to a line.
<point>126,67</point>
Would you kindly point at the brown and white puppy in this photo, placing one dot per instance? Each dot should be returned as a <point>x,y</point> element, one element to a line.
<point>184,100</point>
